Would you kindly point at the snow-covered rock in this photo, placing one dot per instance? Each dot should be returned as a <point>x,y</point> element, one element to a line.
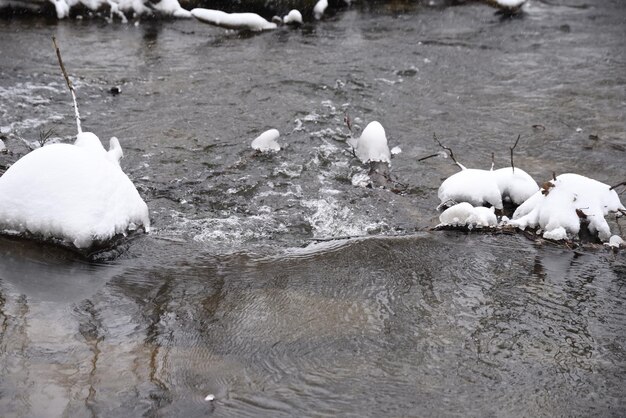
<point>515,184</point>
<point>122,7</point>
<point>294,17</point>
<point>74,193</point>
<point>562,204</point>
<point>320,8</point>
<point>616,241</point>
<point>267,141</point>
<point>493,187</point>
<point>474,186</point>
<point>237,21</point>
<point>372,144</point>
<point>464,214</point>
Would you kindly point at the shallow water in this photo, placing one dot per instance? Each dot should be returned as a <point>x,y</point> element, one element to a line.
<point>233,295</point>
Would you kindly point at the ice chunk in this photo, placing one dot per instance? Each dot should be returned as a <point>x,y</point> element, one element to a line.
<point>372,144</point>
<point>73,193</point>
<point>238,21</point>
<point>267,141</point>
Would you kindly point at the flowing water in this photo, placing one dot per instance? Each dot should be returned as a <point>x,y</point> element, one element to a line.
<point>243,289</point>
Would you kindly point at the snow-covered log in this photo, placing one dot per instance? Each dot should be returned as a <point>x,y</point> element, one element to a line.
<point>236,21</point>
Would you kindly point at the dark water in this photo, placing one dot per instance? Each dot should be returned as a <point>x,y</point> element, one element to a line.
<point>232,295</point>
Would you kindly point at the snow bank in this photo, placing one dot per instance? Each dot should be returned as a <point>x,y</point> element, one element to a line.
<point>464,214</point>
<point>267,141</point>
<point>294,17</point>
<point>76,193</point>
<point>480,187</point>
<point>122,7</point>
<point>560,207</point>
<point>372,144</point>
<point>238,21</point>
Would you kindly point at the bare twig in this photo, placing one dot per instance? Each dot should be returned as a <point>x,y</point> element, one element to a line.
<point>346,119</point>
<point>44,136</point>
<point>617,185</point>
<point>428,156</point>
<point>461,166</point>
<point>512,148</point>
<point>554,175</point>
<point>69,84</point>
<point>493,161</point>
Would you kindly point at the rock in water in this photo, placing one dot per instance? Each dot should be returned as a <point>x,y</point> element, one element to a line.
<point>76,194</point>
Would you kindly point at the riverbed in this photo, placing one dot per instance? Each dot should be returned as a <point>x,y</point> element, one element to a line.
<point>274,283</point>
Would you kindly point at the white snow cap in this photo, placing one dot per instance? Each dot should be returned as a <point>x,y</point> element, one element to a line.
<point>267,141</point>
<point>464,214</point>
<point>616,241</point>
<point>511,4</point>
<point>558,208</point>
<point>238,21</point>
<point>479,187</point>
<point>294,17</point>
<point>372,144</point>
<point>73,193</point>
<point>320,8</point>
<point>473,186</point>
<point>118,7</point>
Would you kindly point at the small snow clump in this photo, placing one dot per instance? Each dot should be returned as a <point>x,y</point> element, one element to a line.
<point>237,21</point>
<point>320,8</point>
<point>615,241</point>
<point>294,17</point>
<point>562,204</point>
<point>267,141</point>
<point>76,193</point>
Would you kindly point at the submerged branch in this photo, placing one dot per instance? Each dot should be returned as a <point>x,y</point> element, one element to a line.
<point>69,84</point>
<point>512,148</point>
<point>461,166</point>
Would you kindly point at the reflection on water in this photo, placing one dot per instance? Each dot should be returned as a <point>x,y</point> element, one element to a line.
<point>231,296</point>
<point>433,324</point>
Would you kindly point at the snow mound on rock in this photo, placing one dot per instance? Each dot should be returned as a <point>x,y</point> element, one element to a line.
<point>237,21</point>
<point>76,193</point>
<point>562,204</point>
<point>480,187</point>
<point>294,17</point>
<point>372,145</point>
<point>464,214</point>
<point>267,141</point>
<point>122,7</point>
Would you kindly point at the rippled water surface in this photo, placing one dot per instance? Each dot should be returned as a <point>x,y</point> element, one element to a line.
<point>243,291</point>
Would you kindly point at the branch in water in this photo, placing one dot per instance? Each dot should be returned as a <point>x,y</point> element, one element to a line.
<point>461,166</point>
<point>512,148</point>
<point>69,84</point>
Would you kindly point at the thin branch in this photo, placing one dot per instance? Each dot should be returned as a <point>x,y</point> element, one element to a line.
<point>461,166</point>
<point>554,175</point>
<point>348,122</point>
<point>428,156</point>
<point>512,148</point>
<point>617,185</point>
<point>69,84</point>
<point>493,161</point>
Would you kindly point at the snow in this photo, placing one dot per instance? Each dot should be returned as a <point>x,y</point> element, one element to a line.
<point>616,241</point>
<point>372,144</point>
<point>480,187</point>
<point>119,7</point>
<point>515,184</point>
<point>559,207</point>
<point>2,146</point>
<point>238,21</point>
<point>294,17</point>
<point>320,8</point>
<point>474,186</point>
<point>464,214</point>
<point>510,3</point>
<point>267,141</point>
<point>209,398</point>
<point>76,193</point>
